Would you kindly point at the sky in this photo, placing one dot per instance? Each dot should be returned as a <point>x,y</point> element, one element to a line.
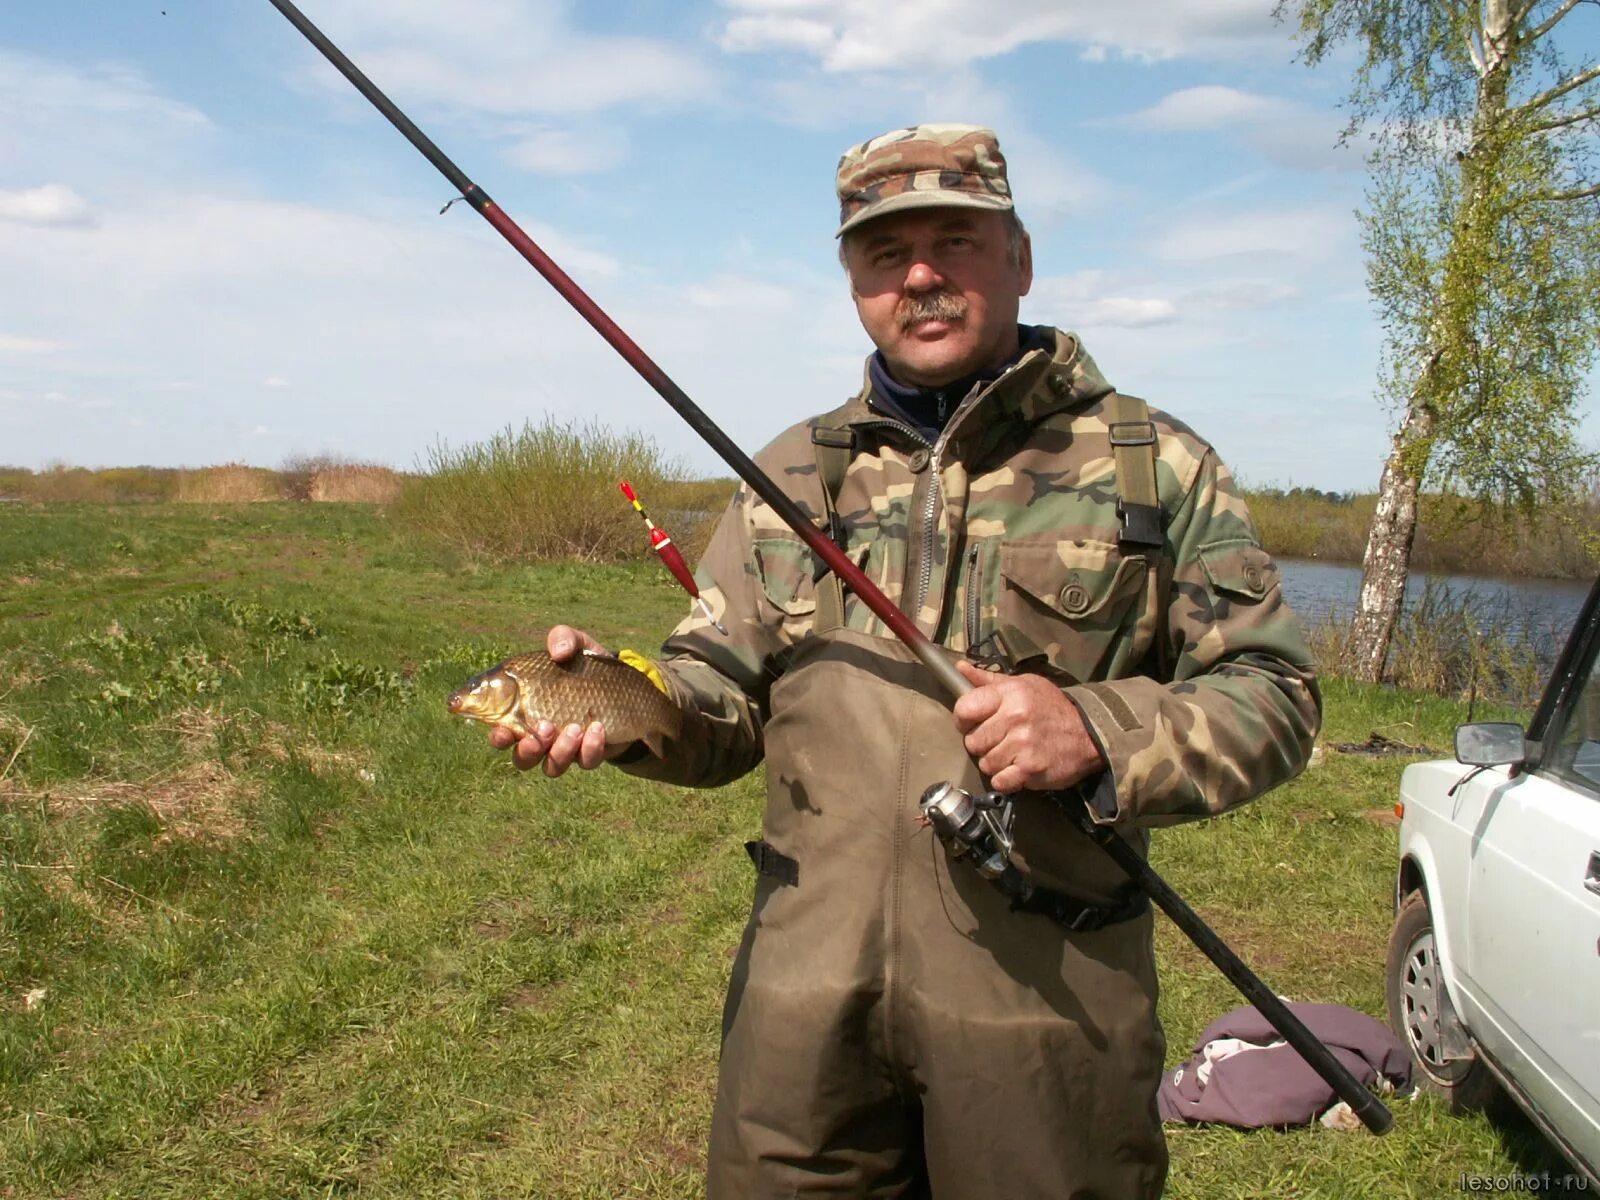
<point>214,250</point>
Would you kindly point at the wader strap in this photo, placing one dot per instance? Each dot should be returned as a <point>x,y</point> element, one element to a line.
<point>832,448</point>
<point>1079,915</point>
<point>1133,444</point>
<point>770,862</point>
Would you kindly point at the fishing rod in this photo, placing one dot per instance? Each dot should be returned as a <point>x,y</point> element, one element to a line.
<point>1366,1106</point>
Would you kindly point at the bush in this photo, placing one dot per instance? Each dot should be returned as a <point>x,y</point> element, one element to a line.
<point>234,483</point>
<point>547,492</point>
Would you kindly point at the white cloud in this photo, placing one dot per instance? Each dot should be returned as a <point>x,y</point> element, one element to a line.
<point>505,57</point>
<point>49,204</point>
<point>550,151</point>
<point>275,381</point>
<point>1309,232</point>
<point>72,121</point>
<point>1092,300</point>
<point>736,292</point>
<point>13,344</point>
<point>38,86</point>
<point>875,35</point>
<point>1208,107</point>
<point>1284,131</point>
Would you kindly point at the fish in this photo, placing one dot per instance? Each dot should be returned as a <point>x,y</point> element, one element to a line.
<point>528,688</point>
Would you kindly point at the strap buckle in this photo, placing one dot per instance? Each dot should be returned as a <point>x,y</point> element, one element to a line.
<point>770,861</point>
<point>1133,433</point>
<point>1141,525</point>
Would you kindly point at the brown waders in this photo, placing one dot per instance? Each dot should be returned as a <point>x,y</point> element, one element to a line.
<point>892,1028</point>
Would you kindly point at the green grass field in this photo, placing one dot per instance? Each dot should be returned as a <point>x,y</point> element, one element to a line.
<point>272,925</point>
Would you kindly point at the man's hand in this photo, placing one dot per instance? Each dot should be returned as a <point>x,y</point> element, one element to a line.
<point>556,748</point>
<point>1023,733</point>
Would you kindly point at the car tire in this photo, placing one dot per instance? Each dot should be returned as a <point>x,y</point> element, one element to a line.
<point>1420,1013</point>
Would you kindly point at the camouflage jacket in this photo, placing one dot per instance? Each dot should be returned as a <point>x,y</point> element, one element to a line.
<point>1190,669</point>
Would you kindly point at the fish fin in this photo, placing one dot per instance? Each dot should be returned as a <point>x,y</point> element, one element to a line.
<point>656,742</point>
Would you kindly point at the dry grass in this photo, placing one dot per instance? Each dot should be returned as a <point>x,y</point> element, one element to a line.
<point>354,483</point>
<point>199,800</point>
<point>233,483</point>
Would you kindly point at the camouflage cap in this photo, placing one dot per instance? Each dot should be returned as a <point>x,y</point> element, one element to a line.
<point>925,166</point>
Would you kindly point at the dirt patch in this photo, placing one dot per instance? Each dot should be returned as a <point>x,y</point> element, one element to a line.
<point>530,996</point>
<point>1378,745</point>
<point>1380,816</point>
<point>198,800</point>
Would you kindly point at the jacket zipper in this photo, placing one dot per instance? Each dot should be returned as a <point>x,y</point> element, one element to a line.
<point>930,527</point>
<point>974,595</point>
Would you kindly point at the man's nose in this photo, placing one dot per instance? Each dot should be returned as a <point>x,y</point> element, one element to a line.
<point>922,277</point>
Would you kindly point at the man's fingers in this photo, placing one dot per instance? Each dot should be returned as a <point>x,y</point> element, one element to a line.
<point>530,750</point>
<point>592,749</point>
<point>563,641</point>
<point>981,703</point>
<point>563,751</point>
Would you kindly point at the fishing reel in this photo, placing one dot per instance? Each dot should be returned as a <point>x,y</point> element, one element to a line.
<point>975,827</point>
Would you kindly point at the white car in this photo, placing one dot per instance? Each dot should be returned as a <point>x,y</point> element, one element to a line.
<point>1493,972</point>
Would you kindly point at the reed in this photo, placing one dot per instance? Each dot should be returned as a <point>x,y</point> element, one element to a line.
<point>546,492</point>
<point>234,483</point>
<point>1454,645</point>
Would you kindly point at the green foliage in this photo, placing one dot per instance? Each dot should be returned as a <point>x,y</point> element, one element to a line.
<point>337,686</point>
<point>548,492</point>
<point>1482,232</point>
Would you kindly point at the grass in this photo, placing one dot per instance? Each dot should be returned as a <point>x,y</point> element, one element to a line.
<point>272,926</point>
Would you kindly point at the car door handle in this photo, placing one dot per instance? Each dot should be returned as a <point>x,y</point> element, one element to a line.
<point>1591,880</point>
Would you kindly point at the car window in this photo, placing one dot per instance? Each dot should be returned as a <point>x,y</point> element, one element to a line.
<point>1577,749</point>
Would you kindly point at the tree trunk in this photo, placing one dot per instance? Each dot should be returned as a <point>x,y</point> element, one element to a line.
<point>1386,564</point>
<point>1387,561</point>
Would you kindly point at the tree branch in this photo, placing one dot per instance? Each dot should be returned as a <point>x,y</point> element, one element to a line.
<point>1561,89</point>
<point>1587,114</point>
<point>1550,22</point>
<point>1558,197</point>
<point>1477,55</point>
<point>1521,15</point>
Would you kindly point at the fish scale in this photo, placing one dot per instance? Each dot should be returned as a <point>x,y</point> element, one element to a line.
<point>525,689</point>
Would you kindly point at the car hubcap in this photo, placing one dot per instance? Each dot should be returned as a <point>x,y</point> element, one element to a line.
<point>1421,1001</point>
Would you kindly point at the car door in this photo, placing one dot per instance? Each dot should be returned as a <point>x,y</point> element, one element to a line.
<point>1533,913</point>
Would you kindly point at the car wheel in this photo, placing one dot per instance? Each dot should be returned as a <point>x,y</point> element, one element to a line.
<point>1421,1015</point>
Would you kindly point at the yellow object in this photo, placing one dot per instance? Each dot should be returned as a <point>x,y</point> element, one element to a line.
<point>646,668</point>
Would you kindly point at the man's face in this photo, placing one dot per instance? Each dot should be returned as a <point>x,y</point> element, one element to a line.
<point>937,291</point>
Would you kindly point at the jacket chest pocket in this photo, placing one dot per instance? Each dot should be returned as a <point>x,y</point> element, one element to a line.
<point>1076,603</point>
<point>786,569</point>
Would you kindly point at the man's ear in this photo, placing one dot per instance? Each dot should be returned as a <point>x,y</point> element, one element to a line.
<point>1025,265</point>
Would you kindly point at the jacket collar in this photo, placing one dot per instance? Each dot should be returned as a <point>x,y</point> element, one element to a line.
<point>1043,381</point>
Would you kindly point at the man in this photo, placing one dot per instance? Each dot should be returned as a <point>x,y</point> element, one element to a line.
<point>894,1027</point>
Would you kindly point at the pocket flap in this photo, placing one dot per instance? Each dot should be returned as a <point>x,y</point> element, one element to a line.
<point>785,566</point>
<point>1075,580</point>
<point>1241,569</point>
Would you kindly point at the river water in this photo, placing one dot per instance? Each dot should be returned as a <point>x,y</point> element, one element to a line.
<point>1542,608</point>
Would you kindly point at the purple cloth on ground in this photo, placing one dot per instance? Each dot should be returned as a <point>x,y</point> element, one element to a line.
<point>1275,1086</point>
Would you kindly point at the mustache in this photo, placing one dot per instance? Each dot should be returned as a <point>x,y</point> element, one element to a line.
<point>939,307</point>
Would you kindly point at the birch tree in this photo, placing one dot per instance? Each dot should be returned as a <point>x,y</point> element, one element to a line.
<point>1483,254</point>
